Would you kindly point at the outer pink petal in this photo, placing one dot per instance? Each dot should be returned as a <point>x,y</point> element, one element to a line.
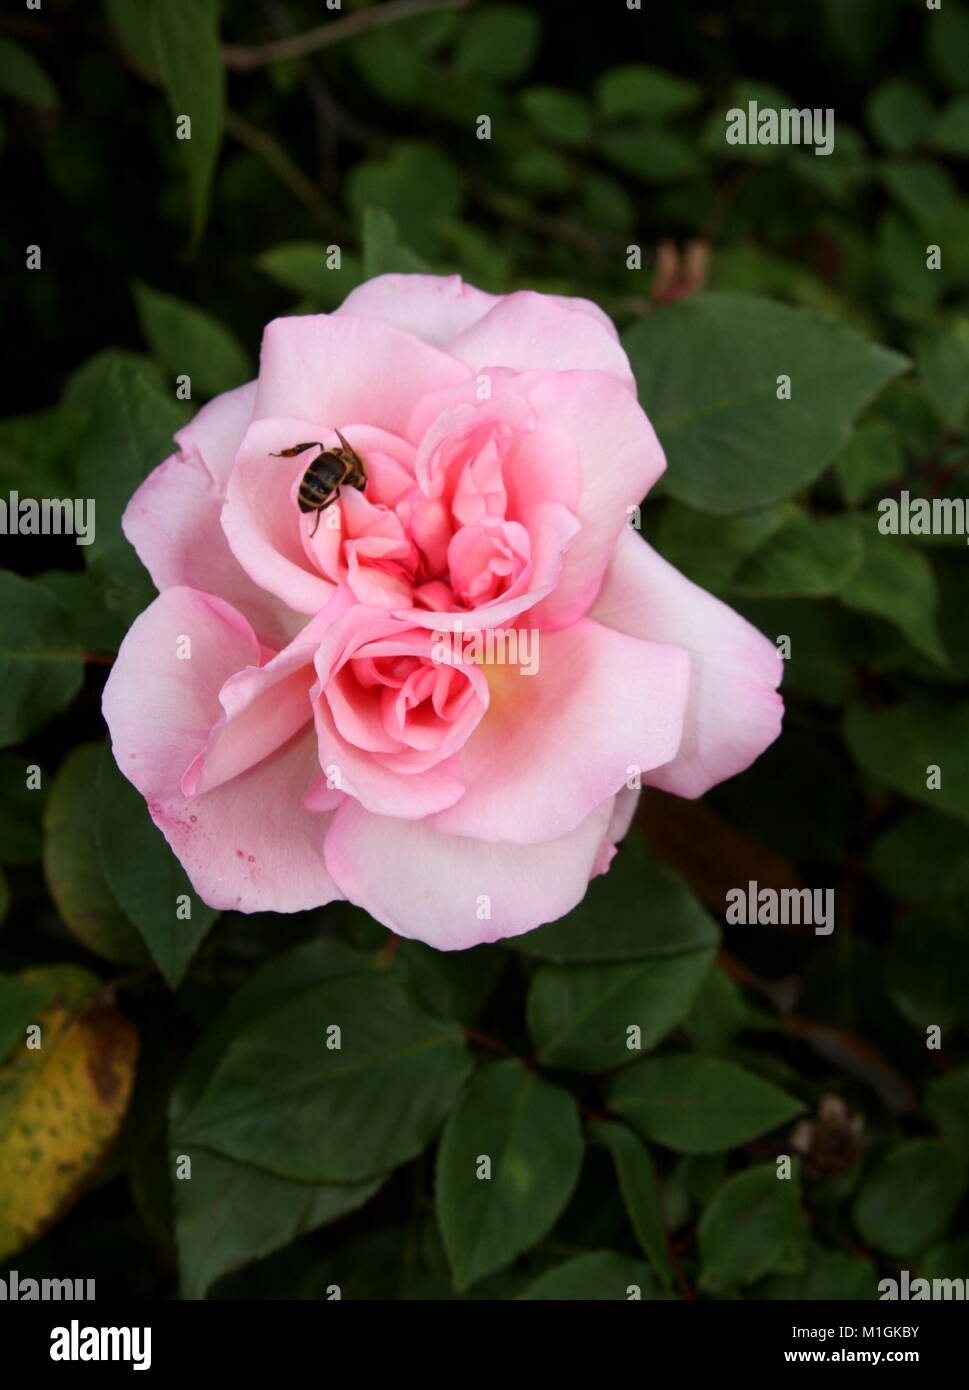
<point>336,368</point>
<point>247,844</point>
<point>528,330</point>
<point>434,308</point>
<point>437,308</point>
<point>555,745</point>
<point>734,711</point>
<point>620,460</point>
<point>435,888</point>
<point>173,520</point>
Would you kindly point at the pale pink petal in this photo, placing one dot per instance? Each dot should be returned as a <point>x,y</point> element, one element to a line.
<point>734,711</point>
<point>434,308</point>
<point>335,368</point>
<point>528,330</point>
<point>248,844</point>
<point>600,708</point>
<point>452,892</point>
<point>174,519</point>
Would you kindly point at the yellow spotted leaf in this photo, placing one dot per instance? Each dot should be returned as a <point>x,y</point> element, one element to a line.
<point>64,1091</point>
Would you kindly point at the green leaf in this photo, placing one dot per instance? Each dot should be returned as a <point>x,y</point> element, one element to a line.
<point>927,970</point>
<point>301,266</point>
<point>947,1103</point>
<point>899,114</point>
<point>951,131</point>
<point>599,1276</point>
<point>71,865</point>
<point>579,1015</point>
<point>711,549</point>
<point>23,78</point>
<point>20,1001</point>
<point>191,343</point>
<point>698,1105</point>
<point>131,21</point>
<point>284,1098</point>
<point>228,1214</point>
<point>383,251</point>
<point>898,745</point>
<point>804,558</point>
<point>640,1193</point>
<point>4,897</point>
<point>21,841</point>
<point>718,1014</point>
<point>129,434</point>
<point>652,153</point>
<point>910,1196</point>
<point>871,459</point>
<point>417,185</point>
<point>277,982</point>
<point>895,581</point>
<point>41,666</point>
<point>707,370</point>
<point>147,880</point>
<point>942,359</point>
<point>452,984</point>
<point>529,1131</point>
<point>98,628</point>
<point>639,909</point>
<point>753,1226</point>
<point>829,1275</point>
<point>189,58</point>
<point>498,41</point>
<point>946,44</point>
<point>921,858</point>
<point>638,89</point>
<point>562,116</point>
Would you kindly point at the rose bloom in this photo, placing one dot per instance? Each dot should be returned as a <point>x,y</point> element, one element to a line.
<point>300,707</point>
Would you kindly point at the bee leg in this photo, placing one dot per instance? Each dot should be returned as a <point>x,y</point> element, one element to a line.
<point>319,513</point>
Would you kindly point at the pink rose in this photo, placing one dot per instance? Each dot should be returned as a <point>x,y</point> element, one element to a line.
<point>303,706</point>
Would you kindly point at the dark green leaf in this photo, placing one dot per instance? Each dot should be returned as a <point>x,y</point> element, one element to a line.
<point>145,877</point>
<point>699,1105</point>
<point>529,1134</point>
<point>753,1226</point>
<point>640,1193</point>
<point>191,343</point>
<point>284,1098</point>
<point>707,369</point>
<point>580,1016</point>
<point>71,865</point>
<point>189,58</point>
<point>910,1196</point>
<point>639,909</point>
<point>40,660</point>
<point>599,1276</point>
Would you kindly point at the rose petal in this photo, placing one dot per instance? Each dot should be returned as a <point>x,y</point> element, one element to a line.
<point>334,368</point>
<point>247,844</point>
<point>436,888</point>
<point>733,711</point>
<point>555,745</point>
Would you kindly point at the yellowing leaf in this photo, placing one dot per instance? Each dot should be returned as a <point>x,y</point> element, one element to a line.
<point>61,1103</point>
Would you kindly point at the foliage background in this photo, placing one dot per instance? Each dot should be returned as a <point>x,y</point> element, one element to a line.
<point>161,257</point>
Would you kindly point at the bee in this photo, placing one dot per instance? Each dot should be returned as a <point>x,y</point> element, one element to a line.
<point>329,471</point>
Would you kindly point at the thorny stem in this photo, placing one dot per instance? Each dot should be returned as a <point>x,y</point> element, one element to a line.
<point>299,45</point>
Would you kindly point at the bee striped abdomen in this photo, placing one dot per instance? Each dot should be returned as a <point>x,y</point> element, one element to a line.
<point>321,482</point>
